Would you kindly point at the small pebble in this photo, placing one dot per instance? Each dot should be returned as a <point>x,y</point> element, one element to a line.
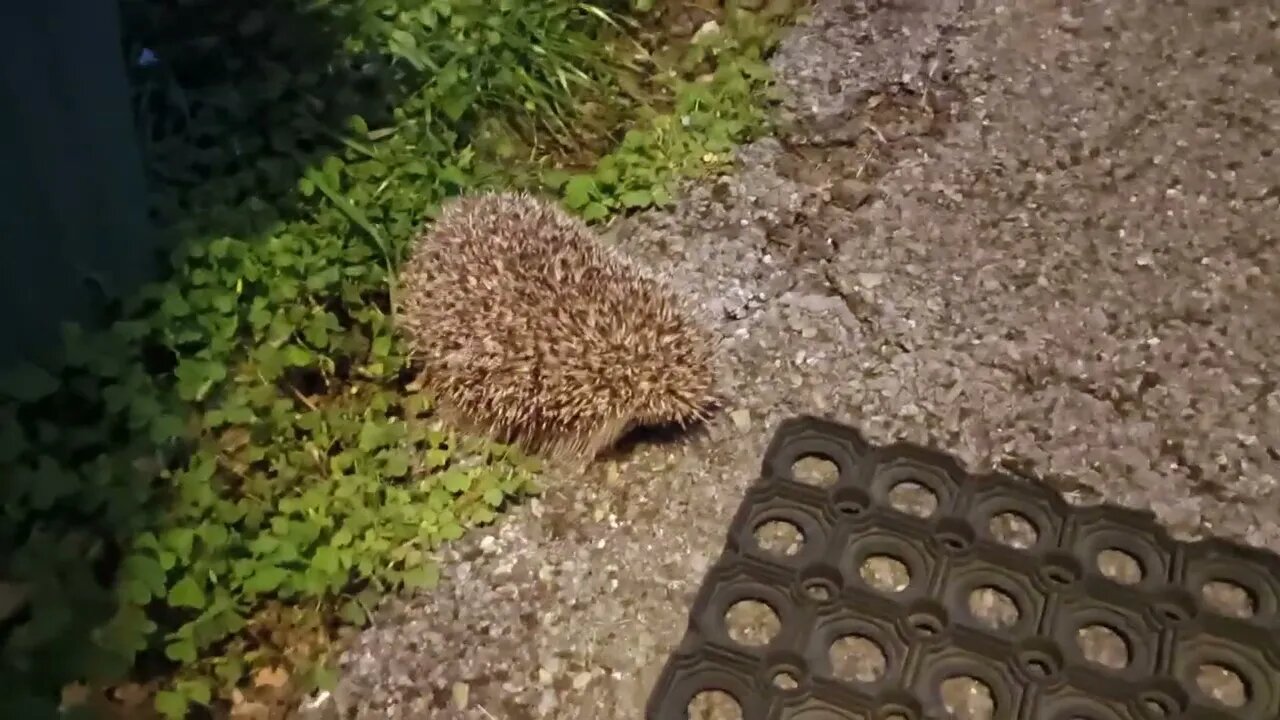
<point>461,694</point>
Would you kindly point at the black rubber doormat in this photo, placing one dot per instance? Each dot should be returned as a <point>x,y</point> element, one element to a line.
<point>905,589</point>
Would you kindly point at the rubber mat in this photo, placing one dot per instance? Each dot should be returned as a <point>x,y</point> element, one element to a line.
<point>1007,602</point>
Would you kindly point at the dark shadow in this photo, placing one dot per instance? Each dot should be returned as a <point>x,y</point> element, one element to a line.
<point>235,98</point>
<point>663,435</point>
<point>229,101</point>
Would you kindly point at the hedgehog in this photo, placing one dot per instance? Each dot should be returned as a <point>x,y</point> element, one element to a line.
<point>531,331</point>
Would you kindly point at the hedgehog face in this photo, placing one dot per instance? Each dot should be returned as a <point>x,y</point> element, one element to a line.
<point>676,393</point>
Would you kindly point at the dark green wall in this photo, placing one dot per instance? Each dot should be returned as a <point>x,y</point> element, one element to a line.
<point>73,220</point>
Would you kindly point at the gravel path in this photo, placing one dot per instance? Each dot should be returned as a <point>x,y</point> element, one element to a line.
<point>1038,232</point>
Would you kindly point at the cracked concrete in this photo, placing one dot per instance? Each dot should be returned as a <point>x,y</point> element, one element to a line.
<point>1035,234</point>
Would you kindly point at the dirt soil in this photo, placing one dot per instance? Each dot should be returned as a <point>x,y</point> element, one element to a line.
<point>1037,232</point>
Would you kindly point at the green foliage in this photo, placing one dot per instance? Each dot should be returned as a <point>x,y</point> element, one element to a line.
<point>711,114</point>
<point>242,459</point>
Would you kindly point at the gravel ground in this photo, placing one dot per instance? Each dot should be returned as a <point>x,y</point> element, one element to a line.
<point>1039,232</point>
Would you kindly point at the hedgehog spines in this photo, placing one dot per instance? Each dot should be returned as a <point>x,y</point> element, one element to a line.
<point>531,328</point>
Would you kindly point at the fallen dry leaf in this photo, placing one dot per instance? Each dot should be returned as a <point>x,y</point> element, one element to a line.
<point>75,694</point>
<point>271,677</point>
<point>250,711</point>
<point>131,694</point>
